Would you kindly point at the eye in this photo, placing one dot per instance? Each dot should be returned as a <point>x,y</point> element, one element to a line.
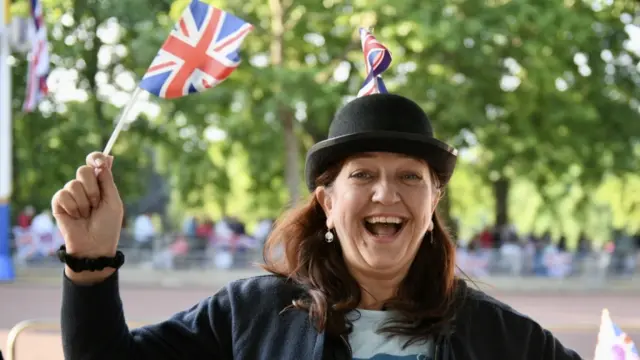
<point>412,177</point>
<point>360,175</point>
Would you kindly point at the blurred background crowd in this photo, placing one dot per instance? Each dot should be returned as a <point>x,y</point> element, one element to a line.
<point>226,243</point>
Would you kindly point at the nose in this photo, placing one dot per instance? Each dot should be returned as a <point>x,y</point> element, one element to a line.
<point>385,192</point>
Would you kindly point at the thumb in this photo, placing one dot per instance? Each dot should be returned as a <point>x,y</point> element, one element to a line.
<point>107,185</point>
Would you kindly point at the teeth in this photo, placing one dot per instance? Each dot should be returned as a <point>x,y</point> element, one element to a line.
<point>383,220</point>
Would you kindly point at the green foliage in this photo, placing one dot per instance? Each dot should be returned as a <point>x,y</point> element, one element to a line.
<point>542,93</point>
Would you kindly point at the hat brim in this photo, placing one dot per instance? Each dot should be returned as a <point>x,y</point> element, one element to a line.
<point>440,156</point>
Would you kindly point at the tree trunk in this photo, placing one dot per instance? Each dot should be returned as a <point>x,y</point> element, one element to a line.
<point>285,114</point>
<point>501,196</point>
<point>292,165</point>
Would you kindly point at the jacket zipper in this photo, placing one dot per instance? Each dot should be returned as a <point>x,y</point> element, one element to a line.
<point>346,342</point>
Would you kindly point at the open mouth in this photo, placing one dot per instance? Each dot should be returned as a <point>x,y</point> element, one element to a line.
<point>384,225</point>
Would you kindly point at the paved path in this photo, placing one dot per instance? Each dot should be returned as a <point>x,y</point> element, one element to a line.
<point>574,317</point>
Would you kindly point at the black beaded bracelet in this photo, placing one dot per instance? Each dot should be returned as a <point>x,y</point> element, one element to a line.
<point>88,264</point>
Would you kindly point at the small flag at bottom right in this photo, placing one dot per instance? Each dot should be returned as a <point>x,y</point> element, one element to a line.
<point>613,343</point>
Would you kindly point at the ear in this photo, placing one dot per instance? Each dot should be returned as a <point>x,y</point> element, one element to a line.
<point>323,196</point>
<point>435,202</point>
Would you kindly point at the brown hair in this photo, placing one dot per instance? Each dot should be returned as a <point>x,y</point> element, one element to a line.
<point>425,299</point>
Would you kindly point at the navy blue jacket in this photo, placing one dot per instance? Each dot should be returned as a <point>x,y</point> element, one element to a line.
<point>244,321</point>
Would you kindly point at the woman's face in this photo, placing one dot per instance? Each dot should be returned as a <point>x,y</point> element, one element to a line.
<point>380,207</point>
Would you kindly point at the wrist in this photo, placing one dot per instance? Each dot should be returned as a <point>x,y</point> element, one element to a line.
<point>84,267</point>
<point>89,253</point>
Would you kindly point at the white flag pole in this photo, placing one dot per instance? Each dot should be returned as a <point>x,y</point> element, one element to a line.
<point>121,120</point>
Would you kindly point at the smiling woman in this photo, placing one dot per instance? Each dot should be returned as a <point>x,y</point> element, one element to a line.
<point>386,287</point>
<point>380,206</point>
<point>367,270</point>
<point>376,183</point>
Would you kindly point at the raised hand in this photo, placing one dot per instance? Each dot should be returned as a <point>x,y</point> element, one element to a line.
<point>89,211</point>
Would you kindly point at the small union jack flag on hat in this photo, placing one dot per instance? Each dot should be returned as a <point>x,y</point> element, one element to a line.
<point>377,60</point>
<point>201,52</point>
<point>613,343</point>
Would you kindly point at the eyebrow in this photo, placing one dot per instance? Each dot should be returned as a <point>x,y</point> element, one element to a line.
<point>372,156</point>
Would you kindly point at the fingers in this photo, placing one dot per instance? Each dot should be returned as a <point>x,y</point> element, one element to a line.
<point>79,196</point>
<point>108,190</point>
<point>99,160</point>
<point>100,187</point>
<point>64,204</point>
<point>86,177</point>
<point>93,184</point>
<point>101,165</point>
<point>76,189</point>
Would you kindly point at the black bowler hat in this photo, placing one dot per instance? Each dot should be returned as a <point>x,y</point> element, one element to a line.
<point>380,123</point>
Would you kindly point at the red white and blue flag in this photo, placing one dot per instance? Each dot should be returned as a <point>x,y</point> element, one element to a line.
<point>201,52</point>
<point>377,60</point>
<point>38,59</point>
<point>613,343</point>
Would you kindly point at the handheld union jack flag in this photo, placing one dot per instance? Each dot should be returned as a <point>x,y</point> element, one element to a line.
<point>613,343</point>
<point>377,60</point>
<point>201,52</point>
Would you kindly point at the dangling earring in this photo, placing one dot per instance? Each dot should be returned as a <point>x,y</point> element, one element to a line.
<point>328,236</point>
<point>431,236</point>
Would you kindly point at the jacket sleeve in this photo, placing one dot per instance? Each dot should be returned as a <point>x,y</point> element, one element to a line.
<point>94,327</point>
<point>553,349</point>
<point>526,339</point>
<point>488,329</point>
